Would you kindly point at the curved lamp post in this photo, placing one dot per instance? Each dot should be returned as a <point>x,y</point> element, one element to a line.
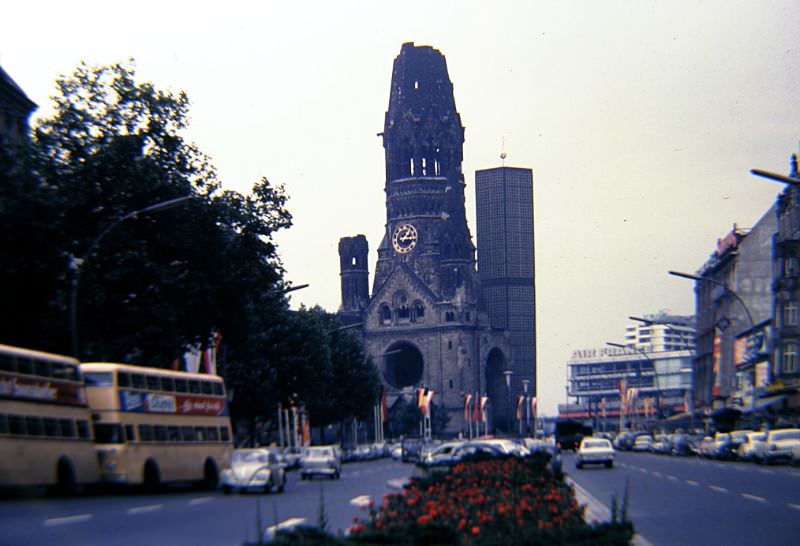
<point>507,376</point>
<point>76,263</point>
<point>728,290</point>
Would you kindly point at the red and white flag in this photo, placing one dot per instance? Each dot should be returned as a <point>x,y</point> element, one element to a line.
<point>467,404</point>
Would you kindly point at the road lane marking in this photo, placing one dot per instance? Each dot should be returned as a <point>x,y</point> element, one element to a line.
<point>397,483</point>
<point>67,520</point>
<point>656,474</point>
<point>765,471</point>
<point>144,509</point>
<point>795,506</point>
<point>200,500</point>
<point>718,488</point>
<point>754,497</point>
<point>692,482</point>
<point>673,478</point>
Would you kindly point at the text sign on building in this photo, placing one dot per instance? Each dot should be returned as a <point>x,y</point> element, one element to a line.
<point>751,347</point>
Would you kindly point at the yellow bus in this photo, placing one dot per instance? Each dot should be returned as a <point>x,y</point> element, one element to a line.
<point>45,428</point>
<point>155,426</point>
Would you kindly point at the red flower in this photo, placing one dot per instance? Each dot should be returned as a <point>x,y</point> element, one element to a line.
<point>475,530</point>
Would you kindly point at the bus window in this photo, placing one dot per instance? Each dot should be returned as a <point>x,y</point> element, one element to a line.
<point>24,365</point>
<point>217,388</point>
<point>206,386</point>
<point>51,427</point>
<point>174,434</point>
<point>223,433</point>
<point>161,433</point>
<point>137,380</point>
<point>146,433</point>
<point>108,434</point>
<point>3,424</point>
<point>16,425</point>
<point>42,368</point>
<point>33,425</point>
<point>124,379</point>
<point>188,434</point>
<point>181,386</point>
<point>168,384</point>
<point>99,379</point>
<point>8,363</point>
<point>213,434</point>
<point>200,434</point>
<point>130,433</point>
<point>153,383</point>
<point>67,428</point>
<point>194,387</point>
<point>83,430</point>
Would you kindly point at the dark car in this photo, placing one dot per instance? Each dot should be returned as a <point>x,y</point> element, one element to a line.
<point>682,444</point>
<point>411,450</point>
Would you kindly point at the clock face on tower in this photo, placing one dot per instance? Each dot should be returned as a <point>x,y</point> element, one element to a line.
<point>404,238</point>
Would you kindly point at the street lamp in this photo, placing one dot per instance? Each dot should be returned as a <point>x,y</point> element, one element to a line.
<point>526,401</point>
<point>507,376</point>
<point>728,290</point>
<point>76,263</point>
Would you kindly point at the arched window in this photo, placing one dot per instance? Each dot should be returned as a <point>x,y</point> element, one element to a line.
<point>417,312</point>
<point>386,314</point>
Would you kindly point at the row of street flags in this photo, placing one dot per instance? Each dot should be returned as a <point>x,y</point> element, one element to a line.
<point>199,360</point>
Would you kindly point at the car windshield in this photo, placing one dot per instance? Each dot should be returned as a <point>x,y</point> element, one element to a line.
<point>250,457</point>
<point>320,452</point>
<point>596,443</point>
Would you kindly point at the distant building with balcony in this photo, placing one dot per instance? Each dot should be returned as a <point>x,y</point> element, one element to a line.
<point>661,332</point>
<point>733,302</point>
<point>781,379</point>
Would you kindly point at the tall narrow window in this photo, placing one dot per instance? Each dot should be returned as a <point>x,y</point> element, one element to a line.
<point>790,314</point>
<point>789,360</point>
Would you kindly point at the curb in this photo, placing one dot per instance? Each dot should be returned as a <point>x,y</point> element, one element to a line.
<point>597,511</point>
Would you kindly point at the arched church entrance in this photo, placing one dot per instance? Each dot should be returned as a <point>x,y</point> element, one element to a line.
<point>496,390</point>
<point>403,365</point>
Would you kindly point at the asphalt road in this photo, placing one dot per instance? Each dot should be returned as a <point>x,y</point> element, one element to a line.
<point>192,518</point>
<point>688,500</point>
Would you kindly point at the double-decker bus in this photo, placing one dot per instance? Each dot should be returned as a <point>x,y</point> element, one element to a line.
<point>45,429</point>
<point>154,426</point>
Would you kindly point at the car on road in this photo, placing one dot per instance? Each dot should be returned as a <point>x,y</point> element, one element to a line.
<point>779,445</point>
<point>321,461</point>
<point>753,442</point>
<point>256,468</point>
<point>594,451</point>
<point>642,443</point>
<point>442,453</point>
<point>411,450</point>
<point>723,447</point>
<point>661,445</point>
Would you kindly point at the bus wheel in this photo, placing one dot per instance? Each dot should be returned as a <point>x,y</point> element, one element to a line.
<point>210,475</point>
<point>65,477</point>
<point>152,478</point>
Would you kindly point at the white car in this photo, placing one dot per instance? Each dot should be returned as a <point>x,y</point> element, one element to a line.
<point>779,445</point>
<point>442,453</point>
<point>253,469</point>
<point>751,445</point>
<point>594,451</point>
<point>321,461</point>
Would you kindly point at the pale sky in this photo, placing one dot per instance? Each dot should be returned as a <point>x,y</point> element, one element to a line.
<point>641,121</point>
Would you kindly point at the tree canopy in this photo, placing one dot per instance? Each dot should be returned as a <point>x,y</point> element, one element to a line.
<point>152,284</point>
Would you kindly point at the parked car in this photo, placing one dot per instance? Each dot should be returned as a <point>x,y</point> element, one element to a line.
<point>753,442</point>
<point>661,445</point>
<point>706,446</point>
<point>723,447</point>
<point>681,444</point>
<point>779,445</point>
<point>642,443</point>
<point>254,469</point>
<point>594,451</point>
<point>411,450</point>
<point>320,461</point>
<point>441,453</point>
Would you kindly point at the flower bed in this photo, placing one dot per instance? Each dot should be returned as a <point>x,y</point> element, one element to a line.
<point>485,501</point>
